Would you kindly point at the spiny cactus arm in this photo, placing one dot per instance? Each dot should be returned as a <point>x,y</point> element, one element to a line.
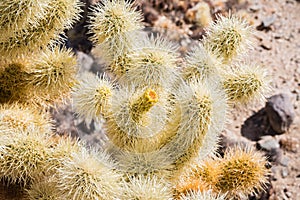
<point>152,63</point>
<point>114,23</point>
<point>201,64</point>
<point>205,195</point>
<point>228,37</point>
<point>137,119</point>
<point>147,188</point>
<point>52,74</point>
<point>24,156</point>
<point>88,175</point>
<point>184,186</point>
<point>20,14</point>
<point>15,118</point>
<point>203,112</point>
<point>60,14</point>
<point>43,188</point>
<point>92,96</point>
<point>246,83</point>
<point>14,81</point>
<point>242,172</point>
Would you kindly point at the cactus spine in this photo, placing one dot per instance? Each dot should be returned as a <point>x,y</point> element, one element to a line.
<point>161,122</point>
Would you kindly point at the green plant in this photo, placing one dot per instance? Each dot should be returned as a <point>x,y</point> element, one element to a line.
<point>161,122</point>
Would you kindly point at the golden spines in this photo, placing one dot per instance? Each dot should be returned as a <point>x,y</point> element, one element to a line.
<point>136,119</point>
<point>15,118</point>
<point>24,155</point>
<point>240,173</point>
<point>88,175</point>
<point>201,64</point>
<point>152,63</point>
<point>19,14</point>
<point>147,188</point>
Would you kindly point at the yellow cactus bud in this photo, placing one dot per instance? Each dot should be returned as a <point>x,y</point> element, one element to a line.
<point>137,119</point>
<point>143,104</point>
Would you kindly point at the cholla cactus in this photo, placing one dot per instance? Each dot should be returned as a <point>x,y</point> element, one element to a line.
<point>160,121</point>
<point>242,172</point>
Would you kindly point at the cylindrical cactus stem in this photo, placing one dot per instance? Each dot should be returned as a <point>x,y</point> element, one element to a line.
<point>59,15</point>
<point>14,82</point>
<point>242,172</point>
<point>52,75</point>
<point>113,23</point>
<point>19,14</point>
<point>203,111</point>
<point>143,104</point>
<point>246,83</point>
<point>92,96</point>
<point>228,37</point>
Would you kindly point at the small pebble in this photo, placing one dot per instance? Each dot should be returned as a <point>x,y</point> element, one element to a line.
<point>284,172</point>
<point>268,143</point>
<point>284,161</point>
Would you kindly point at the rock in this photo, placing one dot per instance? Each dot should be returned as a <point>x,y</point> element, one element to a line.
<point>255,8</point>
<point>85,61</point>
<point>289,144</point>
<point>268,143</point>
<point>284,161</point>
<point>256,126</point>
<point>284,172</point>
<point>268,21</point>
<point>230,139</point>
<point>274,155</point>
<point>280,112</point>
